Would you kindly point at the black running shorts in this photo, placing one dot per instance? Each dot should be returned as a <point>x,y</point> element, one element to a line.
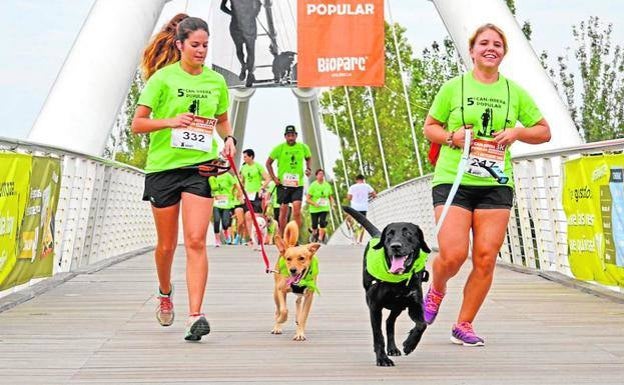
<point>256,204</point>
<point>475,197</point>
<point>287,195</point>
<point>165,188</point>
<point>319,219</point>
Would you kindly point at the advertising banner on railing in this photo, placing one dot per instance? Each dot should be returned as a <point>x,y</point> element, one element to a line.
<point>341,42</point>
<point>32,234</point>
<point>14,189</point>
<point>593,201</point>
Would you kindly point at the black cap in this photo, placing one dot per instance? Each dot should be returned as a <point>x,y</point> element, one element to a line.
<point>290,129</point>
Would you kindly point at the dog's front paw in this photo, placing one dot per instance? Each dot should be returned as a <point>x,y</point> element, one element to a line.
<point>408,346</point>
<point>394,351</point>
<point>412,339</point>
<point>276,330</point>
<point>299,337</point>
<point>384,361</point>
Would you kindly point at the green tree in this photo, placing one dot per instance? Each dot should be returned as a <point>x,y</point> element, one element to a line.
<point>594,100</point>
<point>512,5</point>
<point>127,147</point>
<point>526,26</point>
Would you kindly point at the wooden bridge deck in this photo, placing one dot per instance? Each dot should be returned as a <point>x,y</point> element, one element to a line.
<point>100,328</point>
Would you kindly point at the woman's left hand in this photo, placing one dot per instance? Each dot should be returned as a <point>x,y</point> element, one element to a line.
<point>229,148</point>
<point>506,137</point>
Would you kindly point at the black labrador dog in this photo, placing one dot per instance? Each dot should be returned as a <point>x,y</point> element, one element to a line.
<point>398,286</point>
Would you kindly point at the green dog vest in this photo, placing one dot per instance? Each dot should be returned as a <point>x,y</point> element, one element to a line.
<point>307,280</point>
<point>377,266</point>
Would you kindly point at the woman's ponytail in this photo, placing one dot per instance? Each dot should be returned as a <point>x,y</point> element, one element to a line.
<point>162,51</point>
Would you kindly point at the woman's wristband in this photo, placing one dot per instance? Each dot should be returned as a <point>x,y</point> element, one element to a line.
<point>449,140</point>
<point>228,137</point>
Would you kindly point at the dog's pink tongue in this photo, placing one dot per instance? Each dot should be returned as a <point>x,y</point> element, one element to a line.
<point>398,265</point>
<point>293,279</point>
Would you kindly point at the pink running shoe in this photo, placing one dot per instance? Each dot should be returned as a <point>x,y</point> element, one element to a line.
<point>463,334</point>
<point>432,305</point>
<point>164,310</point>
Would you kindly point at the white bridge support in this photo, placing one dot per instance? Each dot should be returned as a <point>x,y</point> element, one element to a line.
<point>310,125</point>
<point>521,64</point>
<point>238,116</point>
<point>83,103</point>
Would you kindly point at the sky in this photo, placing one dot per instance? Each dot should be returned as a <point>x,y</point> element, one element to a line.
<point>42,33</point>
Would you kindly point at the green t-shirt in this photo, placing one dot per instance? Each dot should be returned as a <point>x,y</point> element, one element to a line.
<point>320,193</point>
<point>291,162</point>
<point>253,176</point>
<point>221,188</point>
<point>234,196</point>
<point>235,200</point>
<point>485,107</point>
<point>170,92</point>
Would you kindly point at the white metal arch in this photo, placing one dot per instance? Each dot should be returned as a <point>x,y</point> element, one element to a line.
<point>103,60</point>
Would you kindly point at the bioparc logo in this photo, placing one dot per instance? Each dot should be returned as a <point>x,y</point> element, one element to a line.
<point>341,64</point>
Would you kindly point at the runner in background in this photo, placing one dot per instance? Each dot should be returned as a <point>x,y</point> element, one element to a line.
<point>255,179</point>
<point>359,194</point>
<point>223,187</point>
<point>290,157</point>
<point>319,197</point>
<point>238,215</point>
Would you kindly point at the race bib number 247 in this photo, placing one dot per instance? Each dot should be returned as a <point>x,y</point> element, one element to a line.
<point>485,153</point>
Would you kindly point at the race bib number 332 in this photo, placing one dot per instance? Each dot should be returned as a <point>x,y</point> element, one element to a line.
<point>197,136</point>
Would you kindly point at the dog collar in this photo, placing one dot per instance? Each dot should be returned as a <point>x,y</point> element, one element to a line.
<point>377,266</point>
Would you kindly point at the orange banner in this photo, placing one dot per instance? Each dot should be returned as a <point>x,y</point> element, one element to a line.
<point>340,43</point>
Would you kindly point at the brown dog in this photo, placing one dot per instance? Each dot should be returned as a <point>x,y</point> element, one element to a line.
<point>296,271</point>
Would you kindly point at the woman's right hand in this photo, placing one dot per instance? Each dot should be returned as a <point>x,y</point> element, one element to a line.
<point>182,121</point>
<point>460,136</point>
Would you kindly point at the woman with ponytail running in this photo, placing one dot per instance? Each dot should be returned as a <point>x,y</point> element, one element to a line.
<point>182,107</point>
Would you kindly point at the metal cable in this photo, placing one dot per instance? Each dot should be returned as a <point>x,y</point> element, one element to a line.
<point>333,113</point>
<point>381,150</point>
<point>405,94</point>
<point>357,144</point>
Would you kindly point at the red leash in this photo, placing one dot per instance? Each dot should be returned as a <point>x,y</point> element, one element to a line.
<point>253,217</point>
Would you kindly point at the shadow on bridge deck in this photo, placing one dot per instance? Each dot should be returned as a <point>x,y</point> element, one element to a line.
<point>100,328</point>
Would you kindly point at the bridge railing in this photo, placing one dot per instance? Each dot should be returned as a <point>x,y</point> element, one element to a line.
<point>100,214</point>
<point>537,231</point>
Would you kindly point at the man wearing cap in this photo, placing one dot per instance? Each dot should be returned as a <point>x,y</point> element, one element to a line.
<point>290,157</point>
